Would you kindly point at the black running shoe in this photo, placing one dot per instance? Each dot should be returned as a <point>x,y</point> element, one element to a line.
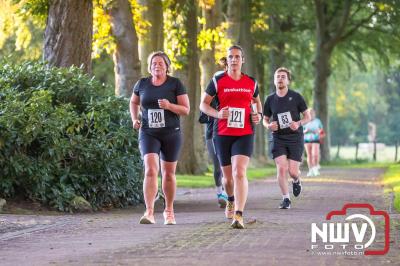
<point>296,188</point>
<point>285,204</point>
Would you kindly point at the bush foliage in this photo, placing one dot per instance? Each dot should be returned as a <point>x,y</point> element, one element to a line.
<point>62,136</point>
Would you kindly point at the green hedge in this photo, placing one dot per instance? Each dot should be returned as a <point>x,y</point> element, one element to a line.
<point>62,136</point>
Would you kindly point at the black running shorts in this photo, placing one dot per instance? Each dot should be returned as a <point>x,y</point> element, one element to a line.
<point>289,145</point>
<point>169,145</point>
<point>312,141</point>
<point>228,146</point>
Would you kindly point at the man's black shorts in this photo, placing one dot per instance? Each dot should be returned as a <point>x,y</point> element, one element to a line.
<point>291,145</point>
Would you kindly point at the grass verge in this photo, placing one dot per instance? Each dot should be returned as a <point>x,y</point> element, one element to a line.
<point>391,179</point>
<point>207,180</point>
<point>356,164</point>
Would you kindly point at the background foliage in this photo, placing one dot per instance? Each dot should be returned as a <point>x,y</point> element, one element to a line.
<point>62,135</point>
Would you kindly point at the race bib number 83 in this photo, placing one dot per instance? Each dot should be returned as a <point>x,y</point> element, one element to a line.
<point>156,118</point>
<point>236,117</point>
<point>284,120</point>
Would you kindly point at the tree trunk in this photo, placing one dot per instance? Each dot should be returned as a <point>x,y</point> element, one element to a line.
<point>68,34</point>
<point>246,41</point>
<point>277,59</point>
<point>234,19</point>
<point>276,54</point>
<point>207,57</point>
<point>324,47</point>
<point>193,159</point>
<point>153,39</point>
<point>260,148</point>
<point>126,57</point>
<point>322,73</point>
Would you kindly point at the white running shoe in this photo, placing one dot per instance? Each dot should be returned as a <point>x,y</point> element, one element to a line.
<point>310,172</point>
<point>315,171</point>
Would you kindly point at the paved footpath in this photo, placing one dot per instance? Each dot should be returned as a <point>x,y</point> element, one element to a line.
<point>202,235</point>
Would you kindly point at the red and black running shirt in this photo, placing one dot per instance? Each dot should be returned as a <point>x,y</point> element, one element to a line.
<point>234,94</point>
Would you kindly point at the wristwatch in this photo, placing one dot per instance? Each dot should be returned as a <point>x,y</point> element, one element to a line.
<point>300,123</point>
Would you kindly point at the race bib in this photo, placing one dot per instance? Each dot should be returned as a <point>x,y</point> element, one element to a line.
<point>156,118</point>
<point>236,117</point>
<point>284,120</point>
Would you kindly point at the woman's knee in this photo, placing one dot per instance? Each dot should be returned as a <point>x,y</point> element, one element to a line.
<point>239,171</point>
<point>151,172</point>
<point>168,176</point>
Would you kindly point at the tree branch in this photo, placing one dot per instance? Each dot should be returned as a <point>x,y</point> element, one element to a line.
<point>342,25</point>
<point>357,26</point>
<point>359,8</point>
<point>319,11</point>
<point>376,29</point>
<point>335,11</point>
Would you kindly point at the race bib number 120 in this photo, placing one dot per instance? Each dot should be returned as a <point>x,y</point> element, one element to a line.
<point>156,118</point>
<point>284,120</point>
<point>236,117</point>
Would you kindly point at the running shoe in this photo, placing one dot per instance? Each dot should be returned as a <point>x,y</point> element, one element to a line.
<point>230,209</point>
<point>316,171</point>
<point>310,172</point>
<point>169,217</point>
<point>285,204</point>
<point>222,199</point>
<point>147,219</point>
<point>296,188</point>
<point>237,222</point>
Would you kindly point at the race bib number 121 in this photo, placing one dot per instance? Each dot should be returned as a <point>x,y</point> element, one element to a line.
<point>236,117</point>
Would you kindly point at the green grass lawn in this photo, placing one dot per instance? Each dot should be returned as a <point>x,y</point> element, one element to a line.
<point>391,179</point>
<point>356,164</point>
<point>207,180</point>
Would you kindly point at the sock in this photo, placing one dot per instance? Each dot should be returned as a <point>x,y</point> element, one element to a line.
<point>219,190</point>
<point>296,180</point>
<point>231,198</point>
<point>239,213</point>
<point>286,196</point>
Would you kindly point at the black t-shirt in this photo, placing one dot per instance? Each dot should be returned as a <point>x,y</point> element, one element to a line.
<point>155,119</point>
<point>285,110</point>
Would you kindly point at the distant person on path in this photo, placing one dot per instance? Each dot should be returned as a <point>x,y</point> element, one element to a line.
<point>282,115</point>
<point>235,116</point>
<point>312,140</point>
<point>162,99</point>
<point>222,198</point>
